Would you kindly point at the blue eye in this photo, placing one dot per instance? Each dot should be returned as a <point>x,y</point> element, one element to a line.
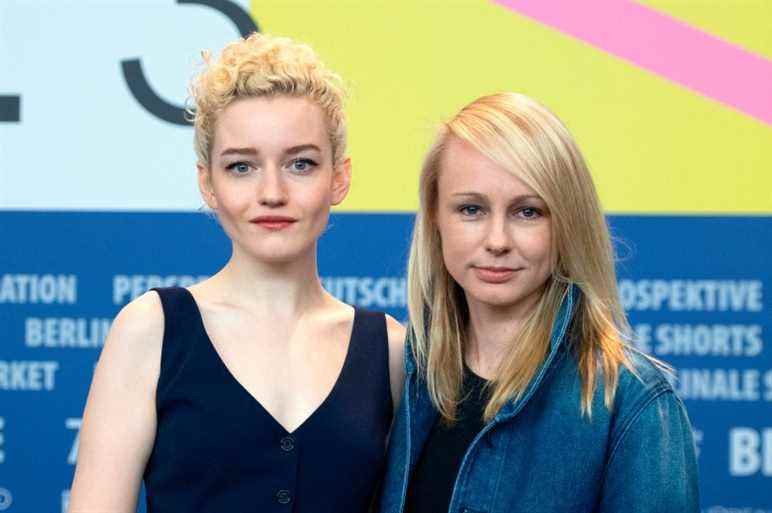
<point>302,166</point>
<point>470,210</point>
<point>238,168</point>
<point>529,213</point>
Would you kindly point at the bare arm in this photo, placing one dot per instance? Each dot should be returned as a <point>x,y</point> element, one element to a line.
<point>119,422</point>
<point>396,333</point>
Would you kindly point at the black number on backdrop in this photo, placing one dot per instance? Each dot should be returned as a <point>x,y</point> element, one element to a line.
<point>233,11</point>
<point>10,107</point>
<point>141,89</point>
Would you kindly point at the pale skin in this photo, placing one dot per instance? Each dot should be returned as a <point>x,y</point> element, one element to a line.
<point>281,336</point>
<point>496,244</point>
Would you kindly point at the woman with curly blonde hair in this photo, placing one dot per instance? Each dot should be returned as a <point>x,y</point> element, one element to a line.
<point>243,392</point>
<point>521,393</point>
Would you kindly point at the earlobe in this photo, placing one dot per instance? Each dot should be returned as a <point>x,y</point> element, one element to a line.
<point>341,182</point>
<point>205,186</point>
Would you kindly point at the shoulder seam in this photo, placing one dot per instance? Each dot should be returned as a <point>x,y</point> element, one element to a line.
<point>655,393</point>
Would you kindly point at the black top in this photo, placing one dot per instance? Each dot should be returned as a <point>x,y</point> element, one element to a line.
<point>434,477</point>
<point>218,450</point>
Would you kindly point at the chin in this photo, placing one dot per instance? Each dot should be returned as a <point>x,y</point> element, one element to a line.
<point>277,253</point>
<point>495,300</point>
<point>500,298</point>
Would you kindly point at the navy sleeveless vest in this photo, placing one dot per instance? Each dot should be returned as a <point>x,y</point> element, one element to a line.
<point>217,450</point>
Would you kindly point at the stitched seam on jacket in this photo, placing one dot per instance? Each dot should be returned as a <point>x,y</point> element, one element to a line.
<point>500,472</point>
<point>645,403</point>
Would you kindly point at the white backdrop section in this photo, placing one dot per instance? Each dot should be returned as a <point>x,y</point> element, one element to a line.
<point>83,142</point>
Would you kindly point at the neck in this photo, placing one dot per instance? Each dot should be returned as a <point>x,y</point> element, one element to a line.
<point>279,290</point>
<point>491,333</point>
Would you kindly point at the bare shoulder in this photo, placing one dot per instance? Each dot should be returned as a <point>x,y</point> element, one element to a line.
<point>136,334</point>
<point>396,334</point>
<point>143,315</point>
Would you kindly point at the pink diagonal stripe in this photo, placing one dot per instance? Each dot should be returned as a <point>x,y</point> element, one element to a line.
<point>663,45</point>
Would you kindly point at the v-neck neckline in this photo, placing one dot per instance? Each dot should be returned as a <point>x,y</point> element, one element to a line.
<point>254,400</point>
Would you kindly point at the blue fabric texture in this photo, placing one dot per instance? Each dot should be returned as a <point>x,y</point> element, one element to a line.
<point>541,454</point>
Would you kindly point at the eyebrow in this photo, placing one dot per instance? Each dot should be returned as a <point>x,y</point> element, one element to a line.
<point>302,147</point>
<point>482,196</point>
<point>293,150</point>
<point>238,151</point>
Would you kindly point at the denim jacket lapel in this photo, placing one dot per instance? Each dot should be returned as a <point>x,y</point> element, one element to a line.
<point>423,413</point>
<point>557,342</point>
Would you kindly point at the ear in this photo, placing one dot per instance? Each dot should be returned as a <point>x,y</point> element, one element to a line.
<point>341,181</point>
<point>205,186</point>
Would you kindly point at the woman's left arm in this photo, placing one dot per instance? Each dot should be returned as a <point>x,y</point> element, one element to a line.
<point>652,467</point>
<point>396,334</point>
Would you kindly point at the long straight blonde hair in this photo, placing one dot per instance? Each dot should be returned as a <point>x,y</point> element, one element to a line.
<point>525,138</point>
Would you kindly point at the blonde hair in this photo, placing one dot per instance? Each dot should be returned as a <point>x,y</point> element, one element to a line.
<point>529,141</point>
<point>265,66</point>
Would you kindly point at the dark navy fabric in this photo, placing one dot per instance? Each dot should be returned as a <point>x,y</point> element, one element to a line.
<point>434,477</point>
<point>217,450</point>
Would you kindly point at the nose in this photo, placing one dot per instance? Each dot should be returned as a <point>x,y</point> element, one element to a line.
<point>498,240</point>
<point>272,192</point>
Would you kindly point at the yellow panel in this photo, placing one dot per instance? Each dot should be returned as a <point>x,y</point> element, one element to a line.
<point>653,146</point>
<point>746,23</point>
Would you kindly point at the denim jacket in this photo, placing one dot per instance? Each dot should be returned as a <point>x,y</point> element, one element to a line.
<point>540,454</point>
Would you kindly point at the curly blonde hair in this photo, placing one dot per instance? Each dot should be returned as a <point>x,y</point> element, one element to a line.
<point>265,66</point>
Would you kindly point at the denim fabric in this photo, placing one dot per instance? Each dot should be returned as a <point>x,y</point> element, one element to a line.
<point>540,454</point>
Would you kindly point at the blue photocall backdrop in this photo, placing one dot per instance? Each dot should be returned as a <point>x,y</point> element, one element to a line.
<point>694,300</point>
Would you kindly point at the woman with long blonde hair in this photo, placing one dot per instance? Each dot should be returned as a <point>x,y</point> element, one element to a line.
<point>522,393</point>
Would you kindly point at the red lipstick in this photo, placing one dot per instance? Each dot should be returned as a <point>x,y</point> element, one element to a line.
<point>273,223</point>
